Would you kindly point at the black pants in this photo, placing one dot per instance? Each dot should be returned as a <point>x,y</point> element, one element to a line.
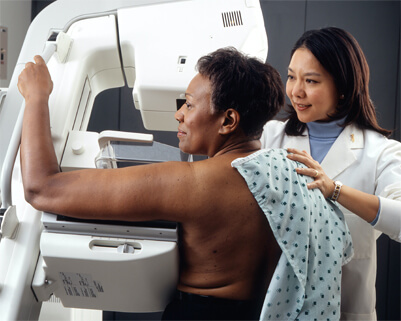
<point>187,306</point>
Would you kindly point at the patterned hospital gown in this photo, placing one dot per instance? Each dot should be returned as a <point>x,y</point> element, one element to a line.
<point>311,232</point>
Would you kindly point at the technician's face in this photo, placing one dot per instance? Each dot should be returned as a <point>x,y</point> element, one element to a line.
<point>310,88</point>
<point>198,124</point>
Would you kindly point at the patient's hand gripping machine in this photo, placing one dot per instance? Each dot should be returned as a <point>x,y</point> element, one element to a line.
<point>90,46</point>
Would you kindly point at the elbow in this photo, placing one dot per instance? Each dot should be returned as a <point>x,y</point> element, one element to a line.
<point>33,195</point>
<point>38,184</point>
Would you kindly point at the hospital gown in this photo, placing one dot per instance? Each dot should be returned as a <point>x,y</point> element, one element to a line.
<point>312,233</point>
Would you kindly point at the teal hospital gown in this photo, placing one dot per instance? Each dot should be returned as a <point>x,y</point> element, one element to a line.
<point>312,233</point>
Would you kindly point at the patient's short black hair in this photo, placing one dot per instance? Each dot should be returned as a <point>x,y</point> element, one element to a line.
<point>252,87</point>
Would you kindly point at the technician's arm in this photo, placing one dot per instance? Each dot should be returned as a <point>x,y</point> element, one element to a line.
<point>362,204</point>
<point>390,218</point>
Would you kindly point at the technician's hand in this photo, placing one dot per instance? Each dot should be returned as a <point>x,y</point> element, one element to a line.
<point>314,170</point>
<point>34,82</point>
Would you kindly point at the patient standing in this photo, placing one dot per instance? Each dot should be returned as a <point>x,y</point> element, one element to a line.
<point>228,249</point>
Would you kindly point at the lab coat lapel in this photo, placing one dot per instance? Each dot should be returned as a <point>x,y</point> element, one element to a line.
<point>341,154</point>
<point>298,142</point>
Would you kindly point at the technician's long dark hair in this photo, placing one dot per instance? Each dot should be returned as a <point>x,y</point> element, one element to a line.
<point>340,54</point>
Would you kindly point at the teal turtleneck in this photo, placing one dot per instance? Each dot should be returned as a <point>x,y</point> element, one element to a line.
<point>322,136</point>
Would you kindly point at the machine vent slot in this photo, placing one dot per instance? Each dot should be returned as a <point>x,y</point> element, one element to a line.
<point>232,19</point>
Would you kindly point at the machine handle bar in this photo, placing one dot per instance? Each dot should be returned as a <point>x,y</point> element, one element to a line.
<point>12,151</point>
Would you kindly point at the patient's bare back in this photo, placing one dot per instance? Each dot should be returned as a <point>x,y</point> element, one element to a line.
<point>228,249</point>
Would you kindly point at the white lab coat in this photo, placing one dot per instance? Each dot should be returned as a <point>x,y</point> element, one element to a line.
<point>369,162</point>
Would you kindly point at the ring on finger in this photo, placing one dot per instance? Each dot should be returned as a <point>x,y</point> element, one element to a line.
<point>316,173</point>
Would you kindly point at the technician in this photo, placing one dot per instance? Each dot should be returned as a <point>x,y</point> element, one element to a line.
<point>333,119</point>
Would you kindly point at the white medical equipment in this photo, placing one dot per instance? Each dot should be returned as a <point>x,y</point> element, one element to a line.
<point>90,46</point>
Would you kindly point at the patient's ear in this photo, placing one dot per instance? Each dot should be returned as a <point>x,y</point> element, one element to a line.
<point>230,122</point>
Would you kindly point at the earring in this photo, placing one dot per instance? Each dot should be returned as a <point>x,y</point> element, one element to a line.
<point>342,96</point>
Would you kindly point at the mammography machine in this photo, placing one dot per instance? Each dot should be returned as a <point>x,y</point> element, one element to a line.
<point>90,46</point>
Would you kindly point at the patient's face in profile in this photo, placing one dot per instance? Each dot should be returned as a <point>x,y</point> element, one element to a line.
<point>198,123</point>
